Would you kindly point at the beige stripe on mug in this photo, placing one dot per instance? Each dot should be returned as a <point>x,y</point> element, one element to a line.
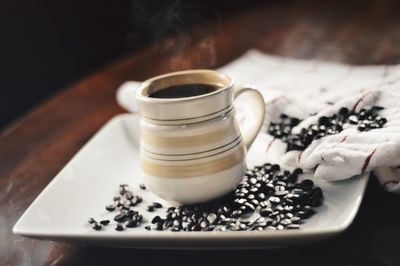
<point>149,139</point>
<point>193,168</point>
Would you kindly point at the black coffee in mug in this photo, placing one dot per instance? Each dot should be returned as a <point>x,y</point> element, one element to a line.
<point>183,90</point>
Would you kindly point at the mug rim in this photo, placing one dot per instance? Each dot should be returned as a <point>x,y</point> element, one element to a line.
<point>145,84</point>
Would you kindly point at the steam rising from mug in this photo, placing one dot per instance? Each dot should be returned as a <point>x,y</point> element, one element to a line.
<point>168,26</point>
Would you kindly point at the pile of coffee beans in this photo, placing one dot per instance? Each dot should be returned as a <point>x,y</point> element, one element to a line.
<point>267,198</point>
<point>365,120</point>
<point>122,206</point>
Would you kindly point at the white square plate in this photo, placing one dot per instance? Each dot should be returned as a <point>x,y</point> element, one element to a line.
<point>90,180</point>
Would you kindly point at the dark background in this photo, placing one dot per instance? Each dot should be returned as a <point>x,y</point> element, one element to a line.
<point>46,45</point>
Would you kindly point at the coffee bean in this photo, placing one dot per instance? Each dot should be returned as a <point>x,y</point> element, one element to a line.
<point>261,196</point>
<point>110,208</point>
<point>288,215</point>
<point>116,198</point>
<point>159,226</point>
<point>253,180</point>
<point>156,219</point>
<point>323,120</point>
<point>322,128</point>
<point>142,186</point>
<point>204,224</point>
<point>251,197</point>
<point>343,111</point>
<point>129,195</point>
<point>120,227</point>
<point>265,212</point>
<point>104,222</point>
<point>139,199</point>
<point>293,226</point>
<point>362,127</point>
<point>280,227</point>
<point>275,167</point>
<point>121,216</point>
<point>274,199</point>
<point>315,202</point>
<point>298,171</point>
<point>362,114</point>
<point>212,217</point>
<point>316,192</point>
<point>254,189</point>
<point>131,224</point>
<point>382,122</point>
<point>96,226</point>
<point>353,119</point>
<point>157,205</point>
<point>281,193</point>
<point>307,184</point>
<point>374,125</point>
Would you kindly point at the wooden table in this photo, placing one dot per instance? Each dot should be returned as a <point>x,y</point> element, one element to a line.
<point>35,148</point>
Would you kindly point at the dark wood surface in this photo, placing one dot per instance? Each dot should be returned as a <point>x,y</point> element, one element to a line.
<point>35,148</point>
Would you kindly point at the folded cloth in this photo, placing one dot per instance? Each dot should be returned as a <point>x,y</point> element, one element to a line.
<point>352,152</point>
<point>309,89</point>
<point>126,96</point>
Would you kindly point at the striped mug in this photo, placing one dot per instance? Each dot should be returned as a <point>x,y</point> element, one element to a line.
<point>191,148</point>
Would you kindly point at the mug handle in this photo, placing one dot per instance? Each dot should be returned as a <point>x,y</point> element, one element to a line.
<point>257,103</point>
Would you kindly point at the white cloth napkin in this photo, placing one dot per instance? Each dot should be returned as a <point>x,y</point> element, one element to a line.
<point>301,88</point>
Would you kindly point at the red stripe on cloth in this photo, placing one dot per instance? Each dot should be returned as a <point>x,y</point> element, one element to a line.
<point>269,145</point>
<point>359,100</point>
<point>367,160</point>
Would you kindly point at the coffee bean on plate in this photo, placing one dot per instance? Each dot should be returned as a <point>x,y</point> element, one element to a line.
<point>267,198</point>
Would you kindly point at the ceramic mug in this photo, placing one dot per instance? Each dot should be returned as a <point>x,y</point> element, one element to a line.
<point>191,148</point>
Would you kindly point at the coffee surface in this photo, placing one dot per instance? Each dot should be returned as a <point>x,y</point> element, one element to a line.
<point>184,90</point>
